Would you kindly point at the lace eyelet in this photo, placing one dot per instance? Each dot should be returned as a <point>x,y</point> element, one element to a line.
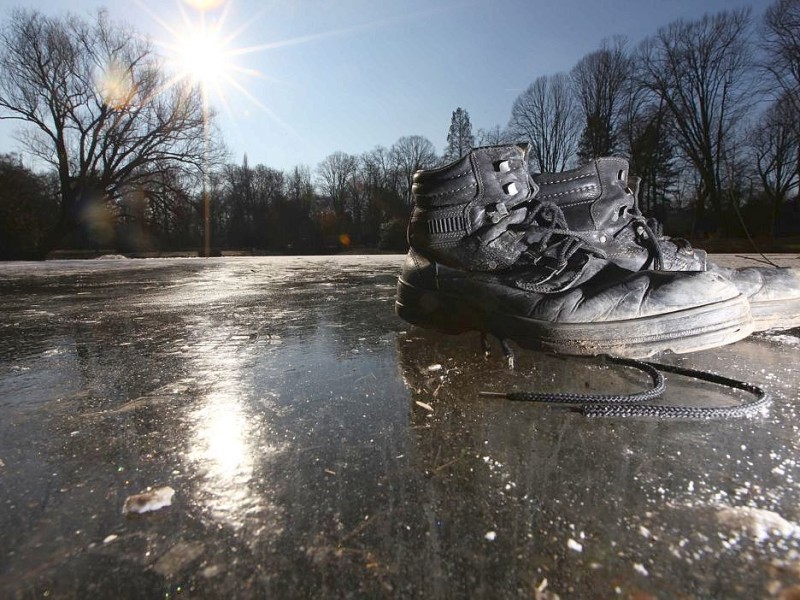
<point>499,213</point>
<point>511,189</point>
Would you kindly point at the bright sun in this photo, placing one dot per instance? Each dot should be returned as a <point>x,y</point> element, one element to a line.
<point>202,56</point>
<point>197,48</point>
<point>200,49</point>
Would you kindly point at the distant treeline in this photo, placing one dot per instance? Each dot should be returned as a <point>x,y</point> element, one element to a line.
<point>707,112</point>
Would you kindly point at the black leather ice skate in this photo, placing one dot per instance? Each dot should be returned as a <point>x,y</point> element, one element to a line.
<point>600,207</point>
<point>488,255</point>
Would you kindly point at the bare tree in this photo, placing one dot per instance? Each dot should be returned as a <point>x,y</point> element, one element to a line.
<point>699,70</point>
<point>781,43</point>
<point>459,138</point>
<point>171,210</point>
<point>545,115</point>
<point>774,145</point>
<point>97,106</point>
<point>335,175</point>
<point>240,200</point>
<point>299,189</point>
<point>645,137</point>
<point>379,170</point>
<point>493,136</point>
<point>27,203</point>
<point>410,154</point>
<point>295,217</point>
<point>385,202</point>
<point>600,81</point>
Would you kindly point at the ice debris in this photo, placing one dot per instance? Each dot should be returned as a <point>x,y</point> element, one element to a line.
<point>789,340</point>
<point>756,522</point>
<point>573,545</point>
<point>154,499</point>
<point>424,405</point>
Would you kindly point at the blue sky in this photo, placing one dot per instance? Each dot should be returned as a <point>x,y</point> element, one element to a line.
<point>362,73</point>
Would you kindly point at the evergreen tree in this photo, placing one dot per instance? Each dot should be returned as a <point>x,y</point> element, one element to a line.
<point>459,139</point>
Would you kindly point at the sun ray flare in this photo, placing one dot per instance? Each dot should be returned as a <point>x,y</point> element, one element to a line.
<point>203,47</point>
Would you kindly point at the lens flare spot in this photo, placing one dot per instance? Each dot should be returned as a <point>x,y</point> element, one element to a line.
<point>116,86</point>
<point>344,240</point>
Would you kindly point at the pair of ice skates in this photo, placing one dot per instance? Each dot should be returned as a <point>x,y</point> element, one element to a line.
<point>567,263</point>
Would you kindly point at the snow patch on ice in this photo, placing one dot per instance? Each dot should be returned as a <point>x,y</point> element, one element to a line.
<point>756,522</point>
<point>782,338</point>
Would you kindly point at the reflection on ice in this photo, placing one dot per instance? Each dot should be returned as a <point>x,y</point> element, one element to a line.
<point>225,446</point>
<point>221,440</point>
<point>293,420</point>
<point>223,451</point>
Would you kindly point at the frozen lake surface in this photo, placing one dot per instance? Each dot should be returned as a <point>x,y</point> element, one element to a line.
<point>292,438</point>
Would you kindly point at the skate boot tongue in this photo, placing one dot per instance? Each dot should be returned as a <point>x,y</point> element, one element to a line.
<point>601,207</point>
<point>594,196</point>
<point>615,202</point>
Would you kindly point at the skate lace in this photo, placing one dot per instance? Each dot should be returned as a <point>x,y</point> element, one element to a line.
<point>630,405</point>
<point>545,220</point>
<point>649,232</point>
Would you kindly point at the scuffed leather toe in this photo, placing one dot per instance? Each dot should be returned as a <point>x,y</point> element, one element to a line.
<point>773,294</point>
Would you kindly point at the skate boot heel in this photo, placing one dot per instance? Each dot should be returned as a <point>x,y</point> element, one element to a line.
<point>435,310</point>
